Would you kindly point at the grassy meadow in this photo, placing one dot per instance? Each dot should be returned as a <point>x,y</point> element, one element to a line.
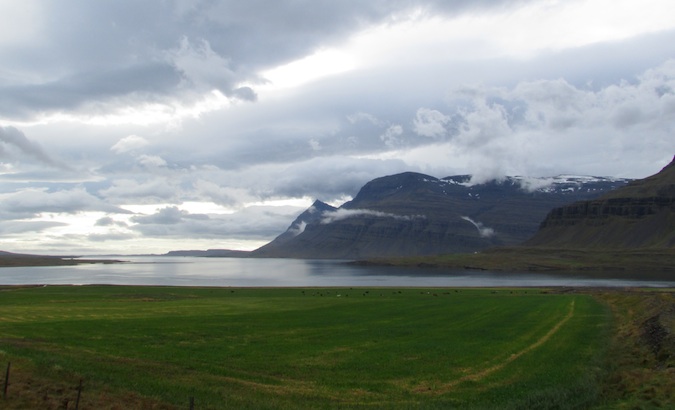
<point>155,347</point>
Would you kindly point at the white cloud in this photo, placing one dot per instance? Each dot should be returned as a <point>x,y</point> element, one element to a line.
<point>521,31</point>
<point>314,145</point>
<point>129,143</point>
<point>363,116</point>
<point>392,136</point>
<point>200,66</point>
<point>151,161</point>
<point>340,214</point>
<point>547,127</point>
<point>296,230</point>
<point>430,123</point>
<point>483,231</point>
<point>322,63</point>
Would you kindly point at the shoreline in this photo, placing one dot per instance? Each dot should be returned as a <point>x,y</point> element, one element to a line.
<point>542,260</point>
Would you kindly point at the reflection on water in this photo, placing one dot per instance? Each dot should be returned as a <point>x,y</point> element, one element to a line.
<point>243,272</point>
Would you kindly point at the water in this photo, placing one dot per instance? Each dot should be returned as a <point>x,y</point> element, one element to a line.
<point>241,272</point>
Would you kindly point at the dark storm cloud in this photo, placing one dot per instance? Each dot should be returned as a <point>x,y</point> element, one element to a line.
<point>139,84</point>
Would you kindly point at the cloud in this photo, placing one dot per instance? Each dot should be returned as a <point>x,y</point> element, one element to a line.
<point>21,227</point>
<point>201,67</point>
<point>211,190</point>
<point>104,87</point>
<point>548,127</point>
<point>483,231</point>
<point>164,51</point>
<point>129,143</point>
<point>392,136</point>
<point>146,190</point>
<point>363,116</point>
<point>167,216</point>
<point>340,214</point>
<point>530,184</point>
<point>255,222</point>
<point>151,161</point>
<point>326,178</point>
<point>111,236</point>
<point>315,145</point>
<point>296,230</point>
<point>13,138</point>
<point>430,123</point>
<point>28,202</point>
<point>109,221</point>
<point>167,103</point>
<point>245,94</point>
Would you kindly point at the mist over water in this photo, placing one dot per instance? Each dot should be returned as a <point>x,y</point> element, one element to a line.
<point>245,272</point>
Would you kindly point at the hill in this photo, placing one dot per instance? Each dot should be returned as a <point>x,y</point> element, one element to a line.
<point>638,215</point>
<point>9,259</point>
<point>412,214</point>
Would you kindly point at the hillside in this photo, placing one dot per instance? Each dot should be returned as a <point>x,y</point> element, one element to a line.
<point>412,214</point>
<point>638,215</point>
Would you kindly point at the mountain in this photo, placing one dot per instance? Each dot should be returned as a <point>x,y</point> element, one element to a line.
<point>638,215</point>
<point>312,216</point>
<point>413,214</point>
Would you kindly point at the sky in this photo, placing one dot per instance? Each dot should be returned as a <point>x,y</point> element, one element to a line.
<point>146,126</point>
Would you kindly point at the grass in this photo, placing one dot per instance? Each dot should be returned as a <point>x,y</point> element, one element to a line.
<point>154,347</point>
<point>642,369</point>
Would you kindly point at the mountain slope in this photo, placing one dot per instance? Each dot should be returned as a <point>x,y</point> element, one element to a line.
<point>412,214</point>
<point>639,215</point>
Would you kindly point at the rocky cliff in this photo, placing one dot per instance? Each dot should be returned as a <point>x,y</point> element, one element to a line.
<point>639,215</point>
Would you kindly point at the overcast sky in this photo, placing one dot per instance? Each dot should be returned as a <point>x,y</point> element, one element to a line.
<point>144,126</point>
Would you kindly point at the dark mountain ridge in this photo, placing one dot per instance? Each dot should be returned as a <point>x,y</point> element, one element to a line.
<point>412,214</point>
<point>638,215</point>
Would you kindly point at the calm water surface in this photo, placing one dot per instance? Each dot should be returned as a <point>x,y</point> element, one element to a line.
<point>239,272</point>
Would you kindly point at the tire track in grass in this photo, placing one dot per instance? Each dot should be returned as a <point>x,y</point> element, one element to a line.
<point>476,376</point>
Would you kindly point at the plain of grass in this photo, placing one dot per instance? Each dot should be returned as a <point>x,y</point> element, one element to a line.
<point>305,348</point>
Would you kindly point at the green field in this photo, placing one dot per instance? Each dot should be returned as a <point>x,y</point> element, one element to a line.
<point>153,347</point>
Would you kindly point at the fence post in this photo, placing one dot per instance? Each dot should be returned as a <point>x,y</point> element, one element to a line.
<point>79,392</point>
<point>4,391</point>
